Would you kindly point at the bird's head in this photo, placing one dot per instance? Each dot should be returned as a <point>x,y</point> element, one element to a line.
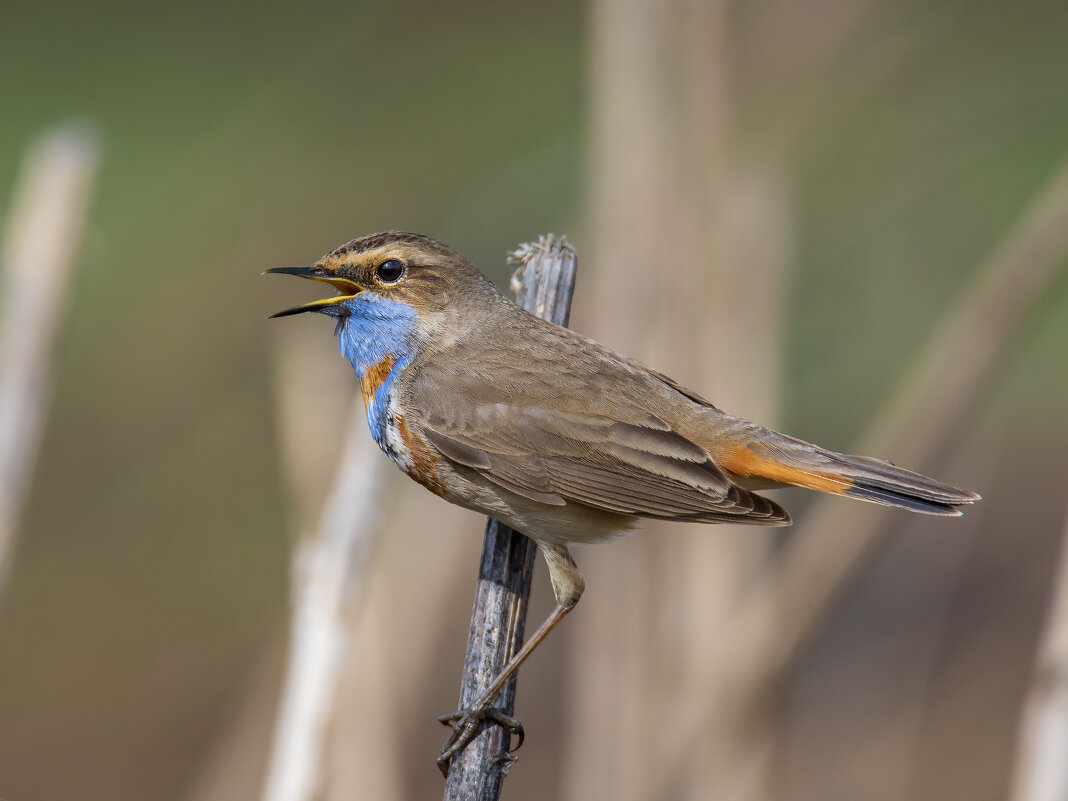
<point>396,293</point>
<point>393,266</point>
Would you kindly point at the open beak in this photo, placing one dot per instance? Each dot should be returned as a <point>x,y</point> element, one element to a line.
<point>346,289</point>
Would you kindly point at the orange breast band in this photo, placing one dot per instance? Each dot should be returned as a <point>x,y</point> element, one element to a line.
<point>373,377</point>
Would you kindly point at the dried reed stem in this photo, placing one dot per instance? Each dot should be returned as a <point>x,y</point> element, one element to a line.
<point>328,568</point>
<point>1042,755</point>
<point>544,283</point>
<point>636,209</point>
<point>39,253</point>
<point>673,198</point>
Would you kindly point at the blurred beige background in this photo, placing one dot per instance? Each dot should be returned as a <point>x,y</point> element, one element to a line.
<point>776,203</point>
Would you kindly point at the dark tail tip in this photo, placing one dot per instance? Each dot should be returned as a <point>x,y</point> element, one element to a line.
<point>882,482</point>
<point>871,492</point>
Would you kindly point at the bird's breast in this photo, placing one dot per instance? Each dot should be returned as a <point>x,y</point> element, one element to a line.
<point>389,425</point>
<point>377,384</point>
<point>419,461</point>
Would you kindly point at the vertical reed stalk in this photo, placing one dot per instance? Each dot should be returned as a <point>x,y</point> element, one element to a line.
<point>40,249</point>
<point>1042,754</point>
<point>544,283</point>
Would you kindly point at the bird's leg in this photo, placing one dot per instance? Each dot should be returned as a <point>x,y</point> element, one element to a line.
<point>567,587</point>
<point>465,721</point>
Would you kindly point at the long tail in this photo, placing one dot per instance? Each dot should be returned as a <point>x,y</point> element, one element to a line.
<point>763,458</point>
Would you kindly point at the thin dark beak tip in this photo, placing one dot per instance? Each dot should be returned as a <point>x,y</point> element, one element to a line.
<point>301,271</point>
<point>288,312</point>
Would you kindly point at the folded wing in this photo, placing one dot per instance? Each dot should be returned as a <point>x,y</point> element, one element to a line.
<point>638,466</point>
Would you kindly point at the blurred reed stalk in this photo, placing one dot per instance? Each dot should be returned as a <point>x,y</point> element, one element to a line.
<point>328,577</point>
<point>544,282</point>
<point>739,235</point>
<point>917,425</point>
<point>41,243</point>
<point>313,397</point>
<point>689,234</point>
<point>1041,772</point>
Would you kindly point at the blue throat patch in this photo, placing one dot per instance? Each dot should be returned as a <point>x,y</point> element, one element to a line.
<point>377,329</point>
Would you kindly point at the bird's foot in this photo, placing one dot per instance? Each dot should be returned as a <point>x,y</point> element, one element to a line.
<point>465,724</point>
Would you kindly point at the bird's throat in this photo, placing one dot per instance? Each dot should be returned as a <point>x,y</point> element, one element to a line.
<point>375,328</point>
<point>379,338</point>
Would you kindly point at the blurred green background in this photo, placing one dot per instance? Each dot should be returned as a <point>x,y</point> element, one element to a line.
<point>151,572</point>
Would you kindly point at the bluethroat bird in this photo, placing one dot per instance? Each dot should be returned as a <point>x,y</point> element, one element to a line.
<point>552,433</point>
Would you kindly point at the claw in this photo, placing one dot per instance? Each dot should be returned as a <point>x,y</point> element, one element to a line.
<point>511,725</point>
<point>464,725</point>
<point>450,720</point>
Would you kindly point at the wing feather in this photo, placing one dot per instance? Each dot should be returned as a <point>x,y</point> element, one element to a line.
<point>638,466</point>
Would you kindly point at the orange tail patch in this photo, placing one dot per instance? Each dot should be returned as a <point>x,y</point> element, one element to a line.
<point>752,460</point>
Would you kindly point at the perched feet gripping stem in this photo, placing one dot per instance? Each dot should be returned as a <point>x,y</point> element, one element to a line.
<point>568,585</point>
<point>465,724</point>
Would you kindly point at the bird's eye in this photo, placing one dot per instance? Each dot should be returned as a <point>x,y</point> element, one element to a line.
<point>390,271</point>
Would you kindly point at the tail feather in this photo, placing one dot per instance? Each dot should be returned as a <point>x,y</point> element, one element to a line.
<point>881,482</point>
<point>773,459</point>
<point>889,497</point>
